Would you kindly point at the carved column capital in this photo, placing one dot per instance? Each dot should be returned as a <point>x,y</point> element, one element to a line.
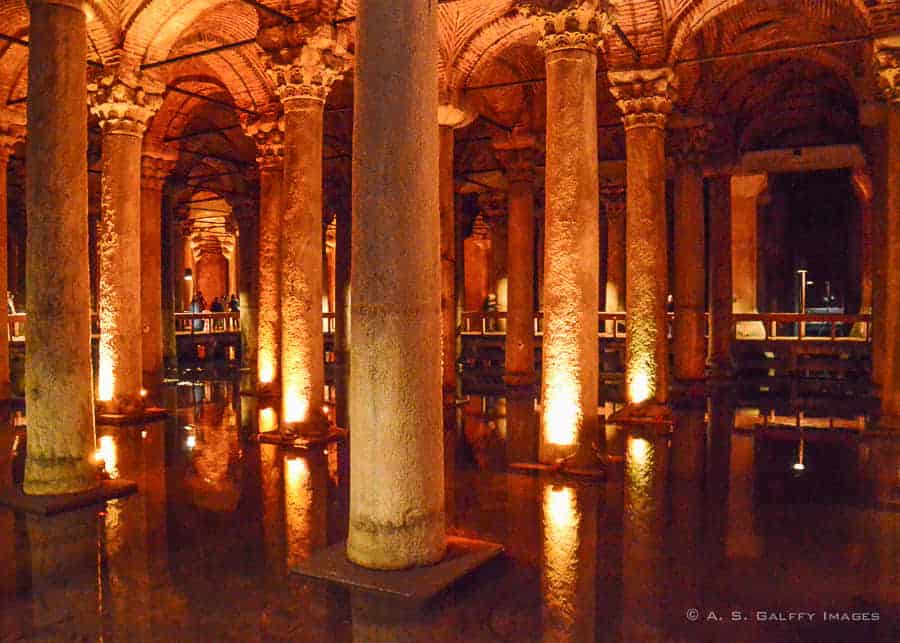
<point>581,26</point>
<point>612,197</point>
<point>690,145</point>
<point>123,101</point>
<point>303,61</point>
<point>517,154</point>
<point>267,131</point>
<point>644,96</point>
<point>887,68</point>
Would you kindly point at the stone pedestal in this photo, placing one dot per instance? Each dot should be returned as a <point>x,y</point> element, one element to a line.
<point>689,289</point>
<point>721,321</point>
<point>396,463</point>
<point>643,98</point>
<point>58,389</point>
<point>517,156</point>
<point>570,359</point>
<point>268,133</point>
<point>745,193</point>
<point>124,104</point>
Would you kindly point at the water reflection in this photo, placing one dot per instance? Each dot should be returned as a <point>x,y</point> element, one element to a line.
<point>305,490</point>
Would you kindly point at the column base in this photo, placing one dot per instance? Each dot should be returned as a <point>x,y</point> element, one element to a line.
<point>649,413</point>
<point>560,469</point>
<point>314,426</point>
<point>414,586</point>
<point>520,380</point>
<point>132,409</point>
<point>269,390</point>
<point>300,442</point>
<point>16,499</point>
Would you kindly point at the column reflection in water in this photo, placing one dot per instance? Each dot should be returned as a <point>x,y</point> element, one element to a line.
<point>305,504</point>
<point>743,541</point>
<point>272,481</point>
<point>643,538</point>
<point>569,569</point>
<point>521,427</point>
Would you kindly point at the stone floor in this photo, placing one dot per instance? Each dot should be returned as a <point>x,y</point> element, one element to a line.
<point>710,535</point>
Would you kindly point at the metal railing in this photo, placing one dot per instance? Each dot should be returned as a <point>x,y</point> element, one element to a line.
<point>207,323</point>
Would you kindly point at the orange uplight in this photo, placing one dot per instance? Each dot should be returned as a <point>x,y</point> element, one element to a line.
<point>639,388</point>
<point>268,420</point>
<point>562,415</point>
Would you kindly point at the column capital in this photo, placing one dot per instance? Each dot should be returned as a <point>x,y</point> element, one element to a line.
<point>887,67</point>
<point>267,131</point>
<point>123,100</point>
<point>644,96</point>
<point>691,144</point>
<point>71,4</point>
<point>612,198</point>
<point>480,229</point>
<point>517,154</point>
<point>580,26</point>
<point>155,169</point>
<point>303,61</point>
<point>492,206</point>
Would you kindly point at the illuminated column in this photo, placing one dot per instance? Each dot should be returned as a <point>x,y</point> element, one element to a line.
<point>397,498</point>
<point>303,73</point>
<point>11,131</point>
<point>450,117</point>
<point>745,191</point>
<point>612,196</point>
<point>643,96</point>
<point>248,279</point>
<point>517,156</point>
<point>124,104</point>
<point>268,133</point>
<point>154,170</point>
<point>689,289</point>
<point>570,370</point>
<point>342,271</point>
<point>887,58</point>
<point>721,325</point>
<point>58,387</point>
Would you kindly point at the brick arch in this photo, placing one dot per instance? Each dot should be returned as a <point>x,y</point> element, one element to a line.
<point>851,13</point>
<point>458,24</point>
<point>489,43</point>
<point>643,21</point>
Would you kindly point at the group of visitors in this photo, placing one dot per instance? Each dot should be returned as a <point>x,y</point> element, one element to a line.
<point>219,305</point>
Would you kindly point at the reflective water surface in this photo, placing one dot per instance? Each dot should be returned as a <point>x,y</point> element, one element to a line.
<point>740,525</point>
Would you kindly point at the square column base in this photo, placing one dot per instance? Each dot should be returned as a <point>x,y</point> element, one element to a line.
<point>415,586</point>
<point>15,498</point>
<point>647,414</point>
<point>589,473</point>
<point>149,414</point>
<point>299,442</point>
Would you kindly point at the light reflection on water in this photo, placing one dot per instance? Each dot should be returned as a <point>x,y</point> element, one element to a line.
<point>561,520</point>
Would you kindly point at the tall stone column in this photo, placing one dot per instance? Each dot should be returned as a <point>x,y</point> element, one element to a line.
<point>612,197</point>
<point>154,170</point>
<point>248,278</point>
<point>303,70</point>
<point>745,192</point>
<point>58,388</point>
<point>124,104</point>
<point>516,154</point>
<point>689,290</point>
<point>721,324</point>
<point>643,97</point>
<point>887,59</point>
<point>268,133</point>
<point>342,271</point>
<point>570,373</point>
<point>397,499</point>
<point>11,131</point>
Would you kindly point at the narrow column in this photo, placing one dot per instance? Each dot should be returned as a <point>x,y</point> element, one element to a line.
<point>516,154</point>
<point>887,58</point>
<point>154,170</point>
<point>342,272</point>
<point>248,278</point>
<point>689,289</point>
<point>643,98</point>
<point>267,132</point>
<point>612,197</point>
<point>397,498</point>
<point>303,73</point>
<point>58,389</point>
<point>570,356</point>
<point>745,191</point>
<point>11,132</point>
<point>123,104</point>
<point>721,324</point>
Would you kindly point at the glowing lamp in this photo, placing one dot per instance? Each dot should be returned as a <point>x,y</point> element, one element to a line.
<point>639,388</point>
<point>267,420</point>
<point>190,441</point>
<point>188,274</point>
<point>266,372</point>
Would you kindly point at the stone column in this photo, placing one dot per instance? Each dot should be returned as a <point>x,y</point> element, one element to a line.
<point>124,104</point>
<point>643,97</point>
<point>154,170</point>
<point>342,272</point>
<point>570,364</point>
<point>248,278</point>
<point>689,290</point>
<point>268,133</point>
<point>745,191</point>
<point>303,71</point>
<point>887,60</point>
<point>58,388</point>
<point>11,131</point>
<point>516,154</point>
<point>721,324</point>
<point>612,196</point>
<point>397,499</point>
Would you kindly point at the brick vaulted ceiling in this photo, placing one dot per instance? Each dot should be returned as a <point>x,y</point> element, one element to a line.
<point>806,90</point>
